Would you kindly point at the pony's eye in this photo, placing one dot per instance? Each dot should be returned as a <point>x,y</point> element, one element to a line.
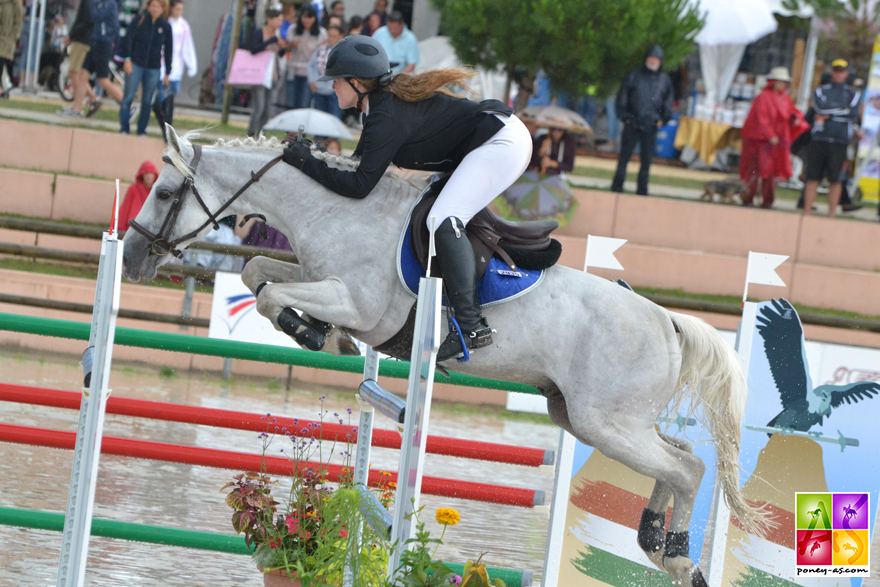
<point>163,194</point>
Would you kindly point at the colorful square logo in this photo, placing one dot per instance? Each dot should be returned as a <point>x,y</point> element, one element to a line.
<point>814,511</point>
<point>832,534</point>
<point>850,548</point>
<point>851,511</point>
<point>814,547</point>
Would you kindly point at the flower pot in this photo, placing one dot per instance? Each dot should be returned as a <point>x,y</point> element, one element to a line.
<point>279,578</point>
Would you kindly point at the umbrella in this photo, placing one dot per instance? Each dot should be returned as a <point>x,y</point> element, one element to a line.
<point>556,117</point>
<point>314,122</point>
<point>735,22</point>
<point>537,196</point>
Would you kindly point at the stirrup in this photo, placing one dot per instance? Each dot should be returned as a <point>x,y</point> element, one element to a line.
<point>480,338</point>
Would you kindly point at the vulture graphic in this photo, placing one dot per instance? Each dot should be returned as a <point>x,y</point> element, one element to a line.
<point>802,405</point>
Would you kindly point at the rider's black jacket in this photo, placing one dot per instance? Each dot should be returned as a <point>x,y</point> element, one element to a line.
<point>433,134</point>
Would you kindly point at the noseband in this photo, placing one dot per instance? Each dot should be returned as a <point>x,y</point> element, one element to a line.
<point>160,244</point>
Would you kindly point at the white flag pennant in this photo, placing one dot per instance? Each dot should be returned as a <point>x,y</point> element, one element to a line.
<point>600,252</point>
<point>762,269</point>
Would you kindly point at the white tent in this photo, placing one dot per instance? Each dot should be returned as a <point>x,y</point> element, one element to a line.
<point>730,26</point>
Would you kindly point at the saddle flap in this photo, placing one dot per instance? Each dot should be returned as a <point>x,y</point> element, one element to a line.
<point>489,235</point>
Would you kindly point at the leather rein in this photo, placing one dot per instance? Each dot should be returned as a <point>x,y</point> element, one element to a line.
<point>161,245</point>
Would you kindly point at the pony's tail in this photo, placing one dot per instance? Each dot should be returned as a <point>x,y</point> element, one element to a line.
<point>712,379</point>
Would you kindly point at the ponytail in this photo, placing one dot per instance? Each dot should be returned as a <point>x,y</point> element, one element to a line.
<point>414,88</point>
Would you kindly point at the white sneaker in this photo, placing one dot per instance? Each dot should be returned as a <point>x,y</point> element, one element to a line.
<point>69,112</point>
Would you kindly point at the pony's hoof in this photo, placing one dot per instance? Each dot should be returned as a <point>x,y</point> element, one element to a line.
<point>697,579</point>
<point>339,343</point>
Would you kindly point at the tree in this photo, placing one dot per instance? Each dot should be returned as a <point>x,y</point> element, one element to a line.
<point>848,31</point>
<point>578,43</point>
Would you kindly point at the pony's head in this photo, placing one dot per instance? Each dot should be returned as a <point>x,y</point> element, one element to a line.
<point>172,214</point>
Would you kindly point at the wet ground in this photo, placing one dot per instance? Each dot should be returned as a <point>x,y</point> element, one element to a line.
<point>183,496</point>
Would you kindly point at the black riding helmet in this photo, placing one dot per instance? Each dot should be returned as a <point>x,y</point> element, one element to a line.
<point>358,56</point>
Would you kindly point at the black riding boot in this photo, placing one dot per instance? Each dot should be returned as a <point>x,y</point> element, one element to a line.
<point>455,257</point>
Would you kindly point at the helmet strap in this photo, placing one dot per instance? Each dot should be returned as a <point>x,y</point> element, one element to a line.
<point>361,95</point>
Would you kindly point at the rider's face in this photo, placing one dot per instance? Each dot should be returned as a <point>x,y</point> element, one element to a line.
<point>345,94</point>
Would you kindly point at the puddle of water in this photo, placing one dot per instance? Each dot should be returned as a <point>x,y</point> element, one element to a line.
<point>183,496</point>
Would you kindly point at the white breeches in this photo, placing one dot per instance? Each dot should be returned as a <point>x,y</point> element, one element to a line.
<point>484,173</point>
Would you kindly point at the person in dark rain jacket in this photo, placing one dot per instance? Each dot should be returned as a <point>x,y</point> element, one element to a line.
<point>644,104</point>
<point>147,42</point>
<point>413,122</point>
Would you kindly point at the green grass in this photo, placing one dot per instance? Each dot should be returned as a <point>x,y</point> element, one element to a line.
<point>182,123</point>
<point>681,182</point>
<point>737,300</point>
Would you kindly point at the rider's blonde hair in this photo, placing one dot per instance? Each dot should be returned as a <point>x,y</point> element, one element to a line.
<point>413,88</point>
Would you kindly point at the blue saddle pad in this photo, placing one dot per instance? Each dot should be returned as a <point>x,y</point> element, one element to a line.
<point>500,284</point>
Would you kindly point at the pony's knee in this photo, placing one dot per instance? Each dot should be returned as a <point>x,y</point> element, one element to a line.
<point>252,274</point>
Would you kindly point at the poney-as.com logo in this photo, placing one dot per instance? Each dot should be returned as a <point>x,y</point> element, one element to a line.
<point>833,534</point>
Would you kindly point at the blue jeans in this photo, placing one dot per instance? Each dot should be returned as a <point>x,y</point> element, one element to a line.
<point>328,103</point>
<point>297,93</point>
<point>613,122</point>
<point>150,80</point>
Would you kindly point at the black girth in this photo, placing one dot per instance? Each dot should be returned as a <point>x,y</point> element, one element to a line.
<point>161,244</point>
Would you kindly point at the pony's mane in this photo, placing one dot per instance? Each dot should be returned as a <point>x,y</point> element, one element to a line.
<point>273,144</point>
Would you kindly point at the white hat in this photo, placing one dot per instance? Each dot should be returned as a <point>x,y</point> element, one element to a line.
<point>779,74</point>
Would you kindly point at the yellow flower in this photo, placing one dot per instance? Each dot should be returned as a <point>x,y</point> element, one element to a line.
<point>447,516</point>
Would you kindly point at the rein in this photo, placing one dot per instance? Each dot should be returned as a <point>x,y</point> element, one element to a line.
<point>161,245</point>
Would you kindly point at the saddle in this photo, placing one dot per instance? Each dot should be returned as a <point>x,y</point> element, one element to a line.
<point>518,244</point>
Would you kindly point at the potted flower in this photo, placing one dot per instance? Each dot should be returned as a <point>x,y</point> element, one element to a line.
<point>419,569</point>
<point>317,529</point>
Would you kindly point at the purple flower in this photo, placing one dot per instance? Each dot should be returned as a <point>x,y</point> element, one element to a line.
<point>263,435</point>
<point>348,410</point>
<point>335,414</point>
<point>322,397</point>
<point>456,580</point>
<point>304,431</point>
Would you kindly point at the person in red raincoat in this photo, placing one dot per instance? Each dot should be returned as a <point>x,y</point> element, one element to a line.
<point>772,124</point>
<point>137,194</point>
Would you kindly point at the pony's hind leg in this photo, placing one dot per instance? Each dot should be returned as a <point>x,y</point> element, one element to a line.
<point>652,528</point>
<point>676,471</point>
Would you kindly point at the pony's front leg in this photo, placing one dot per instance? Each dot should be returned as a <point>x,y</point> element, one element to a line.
<point>265,270</point>
<point>323,303</point>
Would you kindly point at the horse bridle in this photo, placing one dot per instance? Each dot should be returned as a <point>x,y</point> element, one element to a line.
<point>161,245</point>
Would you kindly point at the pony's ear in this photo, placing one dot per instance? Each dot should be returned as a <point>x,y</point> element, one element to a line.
<point>173,139</point>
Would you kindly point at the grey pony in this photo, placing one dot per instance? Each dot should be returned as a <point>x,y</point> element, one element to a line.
<point>608,361</point>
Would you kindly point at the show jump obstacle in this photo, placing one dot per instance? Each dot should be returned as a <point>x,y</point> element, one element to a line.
<point>78,525</point>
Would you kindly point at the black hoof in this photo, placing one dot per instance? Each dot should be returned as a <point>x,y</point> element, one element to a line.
<point>697,579</point>
<point>651,531</point>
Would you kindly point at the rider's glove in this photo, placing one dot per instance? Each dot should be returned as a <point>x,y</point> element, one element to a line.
<point>295,154</point>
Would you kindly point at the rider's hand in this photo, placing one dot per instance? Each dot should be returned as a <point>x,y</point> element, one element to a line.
<point>295,154</point>
<point>126,67</point>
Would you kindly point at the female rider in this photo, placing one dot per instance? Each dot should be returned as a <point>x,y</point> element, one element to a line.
<point>413,122</point>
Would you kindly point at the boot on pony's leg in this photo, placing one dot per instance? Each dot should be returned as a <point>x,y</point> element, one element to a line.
<point>455,257</point>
